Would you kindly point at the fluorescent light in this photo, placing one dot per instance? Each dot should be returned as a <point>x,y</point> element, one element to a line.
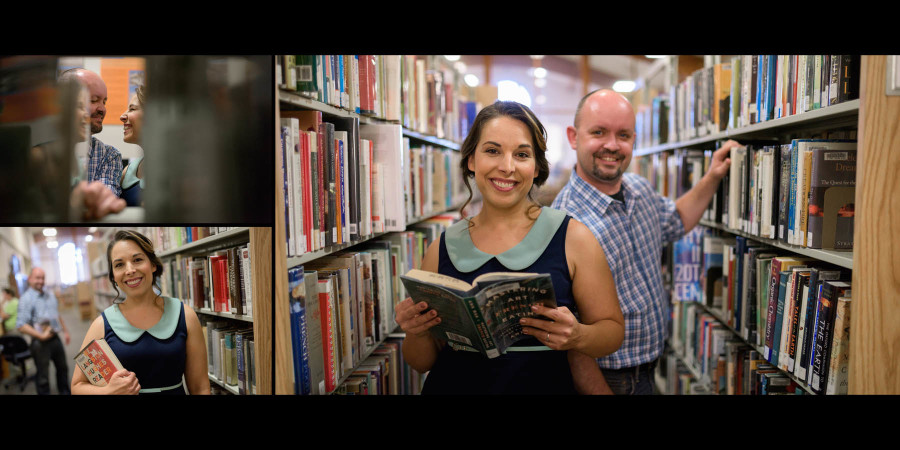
<point>52,244</point>
<point>49,231</point>
<point>654,56</point>
<point>540,72</point>
<point>92,230</point>
<point>471,80</point>
<point>452,57</point>
<point>623,86</point>
<point>540,82</point>
<point>88,238</point>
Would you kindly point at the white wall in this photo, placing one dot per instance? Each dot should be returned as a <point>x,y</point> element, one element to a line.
<point>14,241</point>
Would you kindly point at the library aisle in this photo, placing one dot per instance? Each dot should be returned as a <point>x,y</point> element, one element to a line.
<point>219,272</point>
<point>77,329</point>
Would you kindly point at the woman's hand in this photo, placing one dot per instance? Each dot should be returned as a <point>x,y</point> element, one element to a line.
<point>561,332</point>
<point>411,319</point>
<point>123,382</point>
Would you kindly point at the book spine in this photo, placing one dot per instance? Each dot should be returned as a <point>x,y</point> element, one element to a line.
<point>486,343</point>
<point>328,341</point>
<point>840,351</point>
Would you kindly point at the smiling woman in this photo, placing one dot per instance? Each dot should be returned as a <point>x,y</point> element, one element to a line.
<point>156,338</point>
<point>133,121</point>
<point>504,154</point>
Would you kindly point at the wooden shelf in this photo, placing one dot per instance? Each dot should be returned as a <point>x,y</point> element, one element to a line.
<point>236,235</point>
<point>818,117</point>
<point>367,354</point>
<point>295,261</point>
<point>836,257</point>
<point>718,316</point>
<point>231,389</point>
<point>226,315</point>
<point>292,98</point>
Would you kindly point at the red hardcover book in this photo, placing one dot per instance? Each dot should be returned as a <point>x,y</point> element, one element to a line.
<point>98,362</point>
<point>366,85</point>
<point>223,280</point>
<point>218,265</point>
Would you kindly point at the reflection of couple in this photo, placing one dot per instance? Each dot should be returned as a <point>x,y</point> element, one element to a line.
<point>106,188</point>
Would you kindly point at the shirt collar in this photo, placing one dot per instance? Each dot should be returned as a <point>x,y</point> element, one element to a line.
<point>162,330</point>
<point>468,258</point>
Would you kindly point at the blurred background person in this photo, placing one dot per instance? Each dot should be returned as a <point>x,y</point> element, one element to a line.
<point>38,317</point>
<point>8,311</point>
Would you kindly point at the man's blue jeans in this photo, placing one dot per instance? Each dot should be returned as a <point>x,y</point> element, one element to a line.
<point>632,380</point>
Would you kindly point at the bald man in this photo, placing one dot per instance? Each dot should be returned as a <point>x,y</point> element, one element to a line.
<point>104,164</point>
<point>38,317</point>
<point>104,161</point>
<point>632,222</point>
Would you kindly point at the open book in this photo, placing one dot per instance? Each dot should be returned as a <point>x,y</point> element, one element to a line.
<point>98,362</point>
<point>482,316</point>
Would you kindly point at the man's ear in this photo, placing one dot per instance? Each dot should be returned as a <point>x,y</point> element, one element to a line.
<point>572,134</point>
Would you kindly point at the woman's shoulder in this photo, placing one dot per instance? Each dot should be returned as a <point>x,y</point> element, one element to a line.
<point>578,230</point>
<point>580,238</point>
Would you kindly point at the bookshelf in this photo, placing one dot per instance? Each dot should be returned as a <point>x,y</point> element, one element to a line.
<point>874,136</point>
<point>840,115</point>
<point>259,240</point>
<point>287,99</point>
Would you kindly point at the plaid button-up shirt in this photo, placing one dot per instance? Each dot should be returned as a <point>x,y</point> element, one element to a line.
<point>632,236</point>
<point>105,165</point>
<point>35,308</point>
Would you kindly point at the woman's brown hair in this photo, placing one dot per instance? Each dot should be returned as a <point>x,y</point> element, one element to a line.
<point>146,246</point>
<point>516,111</point>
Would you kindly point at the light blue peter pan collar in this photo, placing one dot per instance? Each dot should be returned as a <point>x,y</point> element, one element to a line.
<point>467,258</point>
<point>162,330</point>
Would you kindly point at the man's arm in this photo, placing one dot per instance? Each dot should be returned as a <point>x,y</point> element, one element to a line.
<point>65,330</point>
<point>586,375</point>
<point>691,205</point>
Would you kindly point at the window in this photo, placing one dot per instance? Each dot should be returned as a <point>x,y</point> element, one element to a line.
<point>510,90</point>
<point>70,263</point>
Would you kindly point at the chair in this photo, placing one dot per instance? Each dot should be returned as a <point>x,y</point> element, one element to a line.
<point>16,351</point>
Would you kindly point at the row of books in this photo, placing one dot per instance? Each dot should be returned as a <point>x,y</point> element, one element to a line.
<point>746,90</point>
<point>170,238</point>
<point>331,188</point>
<point>231,355</point>
<point>801,193</point>
<point>345,181</point>
<point>342,305</point>
<point>435,183</point>
<point>383,373</point>
<point>220,281</point>
<point>788,306</point>
<point>415,91</point>
<point>729,365</point>
<point>671,174</point>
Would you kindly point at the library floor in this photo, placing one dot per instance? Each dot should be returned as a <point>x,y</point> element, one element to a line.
<point>77,330</point>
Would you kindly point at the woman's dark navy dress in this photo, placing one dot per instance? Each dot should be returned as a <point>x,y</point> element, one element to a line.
<point>531,371</point>
<point>157,356</point>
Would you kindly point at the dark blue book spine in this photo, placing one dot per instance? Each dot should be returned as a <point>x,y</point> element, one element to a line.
<point>779,315</point>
